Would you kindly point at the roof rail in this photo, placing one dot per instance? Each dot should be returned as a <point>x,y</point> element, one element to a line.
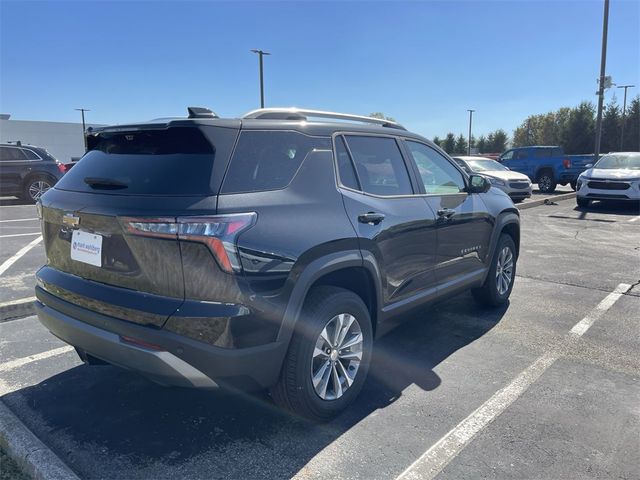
<point>303,114</point>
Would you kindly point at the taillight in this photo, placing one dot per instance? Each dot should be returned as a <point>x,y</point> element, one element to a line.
<point>218,232</point>
<point>62,167</point>
<point>567,163</point>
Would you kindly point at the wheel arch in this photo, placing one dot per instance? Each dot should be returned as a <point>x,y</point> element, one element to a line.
<point>507,222</point>
<point>346,270</point>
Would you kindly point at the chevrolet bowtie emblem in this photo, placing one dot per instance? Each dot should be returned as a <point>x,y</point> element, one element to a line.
<point>71,220</point>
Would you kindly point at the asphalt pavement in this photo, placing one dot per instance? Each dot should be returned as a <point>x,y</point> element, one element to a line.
<point>546,387</point>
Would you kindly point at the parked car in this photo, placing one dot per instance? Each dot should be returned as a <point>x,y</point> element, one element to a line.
<point>514,184</point>
<point>263,252</point>
<point>27,171</point>
<point>616,176</point>
<point>546,166</point>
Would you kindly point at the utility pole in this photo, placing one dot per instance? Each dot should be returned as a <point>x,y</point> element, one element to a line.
<point>84,135</point>
<point>469,142</point>
<point>260,55</point>
<point>601,83</point>
<point>624,113</point>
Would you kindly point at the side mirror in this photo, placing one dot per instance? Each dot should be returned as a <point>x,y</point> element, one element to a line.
<point>588,165</point>
<point>478,184</point>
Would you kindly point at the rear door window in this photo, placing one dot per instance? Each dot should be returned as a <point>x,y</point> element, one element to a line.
<point>268,160</point>
<point>171,161</point>
<point>11,154</point>
<point>30,154</point>
<point>379,165</point>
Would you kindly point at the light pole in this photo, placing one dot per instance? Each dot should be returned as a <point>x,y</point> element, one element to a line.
<point>601,83</point>
<point>84,135</point>
<point>469,142</point>
<point>624,113</point>
<point>261,54</point>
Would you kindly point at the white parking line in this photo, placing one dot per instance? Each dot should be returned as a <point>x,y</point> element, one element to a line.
<point>436,458</point>
<point>10,261</point>
<point>634,219</point>
<point>20,235</point>
<point>19,362</point>
<point>19,220</point>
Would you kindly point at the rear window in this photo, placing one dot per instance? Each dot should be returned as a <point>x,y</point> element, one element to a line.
<point>268,160</point>
<point>173,161</point>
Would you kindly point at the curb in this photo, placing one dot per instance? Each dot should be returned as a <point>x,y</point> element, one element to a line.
<point>22,307</point>
<point>544,201</point>
<point>33,456</point>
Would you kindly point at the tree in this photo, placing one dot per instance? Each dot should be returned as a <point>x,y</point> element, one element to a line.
<point>437,140</point>
<point>481,144</point>
<point>632,127</point>
<point>449,143</point>
<point>611,125</point>
<point>579,136</point>
<point>381,116</point>
<point>461,145</point>
<point>498,142</point>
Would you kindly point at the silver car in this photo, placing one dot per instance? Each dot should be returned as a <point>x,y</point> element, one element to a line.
<point>514,184</point>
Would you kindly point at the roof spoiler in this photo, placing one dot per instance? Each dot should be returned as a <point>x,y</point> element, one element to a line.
<point>201,112</point>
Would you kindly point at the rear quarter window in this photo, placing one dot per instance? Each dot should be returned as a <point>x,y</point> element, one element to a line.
<point>268,160</point>
<point>171,161</point>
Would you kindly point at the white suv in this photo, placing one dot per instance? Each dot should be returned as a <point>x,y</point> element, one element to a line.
<point>616,176</point>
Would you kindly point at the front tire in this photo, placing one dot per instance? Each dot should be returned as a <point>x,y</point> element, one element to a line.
<point>328,357</point>
<point>497,286</point>
<point>546,182</point>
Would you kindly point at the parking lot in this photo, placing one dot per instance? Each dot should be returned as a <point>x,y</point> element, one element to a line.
<point>544,388</point>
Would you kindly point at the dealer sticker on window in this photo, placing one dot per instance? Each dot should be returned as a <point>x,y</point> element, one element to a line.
<point>86,247</point>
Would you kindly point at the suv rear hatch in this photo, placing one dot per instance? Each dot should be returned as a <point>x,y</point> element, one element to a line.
<point>111,221</point>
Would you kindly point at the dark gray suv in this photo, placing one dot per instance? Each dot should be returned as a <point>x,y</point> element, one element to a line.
<point>27,171</point>
<point>263,252</point>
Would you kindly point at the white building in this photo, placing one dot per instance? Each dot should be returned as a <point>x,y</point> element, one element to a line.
<point>61,139</point>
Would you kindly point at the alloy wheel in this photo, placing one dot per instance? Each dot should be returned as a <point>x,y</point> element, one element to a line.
<point>504,270</point>
<point>37,188</point>
<point>336,357</point>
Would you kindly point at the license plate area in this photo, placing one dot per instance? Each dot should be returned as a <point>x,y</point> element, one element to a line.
<point>86,247</point>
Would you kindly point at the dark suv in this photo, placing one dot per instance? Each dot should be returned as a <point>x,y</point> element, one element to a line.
<point>27,171</point>
<point>263,252</point>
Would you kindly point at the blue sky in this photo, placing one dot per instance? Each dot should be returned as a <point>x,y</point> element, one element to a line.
<point>423,63</point>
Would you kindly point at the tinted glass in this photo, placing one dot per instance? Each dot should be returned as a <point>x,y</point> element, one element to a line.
<point>173,161</point>
<point>543,152</point>
<point>521,154</point>
<point>11,154</point>
<point>345,166</point>
<point>30,155</point>
<point>268,160</point>
<point>379,165</point>
<point>438,174</point>
<point>507,156</point>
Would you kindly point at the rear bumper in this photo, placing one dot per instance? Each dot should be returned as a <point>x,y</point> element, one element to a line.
<point>171,359</point>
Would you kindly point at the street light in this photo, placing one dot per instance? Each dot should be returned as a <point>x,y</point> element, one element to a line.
<point>261,54</point>
<point>624,113</point>
<point>84,135</point>
<point>601,83</point>
<point>470,120</point>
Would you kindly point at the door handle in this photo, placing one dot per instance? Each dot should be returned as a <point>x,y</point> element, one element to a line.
<point>446,212</point>
<point>371,218</point>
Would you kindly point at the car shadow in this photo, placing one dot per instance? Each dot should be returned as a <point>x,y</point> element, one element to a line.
<point>610,207</point>
<point>8,201</point>
<point>108,417</point>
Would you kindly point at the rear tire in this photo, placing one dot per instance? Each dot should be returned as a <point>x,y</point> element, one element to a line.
<point>546,182</point>
<point>300,391</point>
<point>583,202</point>
<point>574,185</point>
<point>35,187</point>
<point>497,286</point>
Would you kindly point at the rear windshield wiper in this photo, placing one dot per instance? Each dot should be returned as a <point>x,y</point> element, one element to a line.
<point>104,183</point>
